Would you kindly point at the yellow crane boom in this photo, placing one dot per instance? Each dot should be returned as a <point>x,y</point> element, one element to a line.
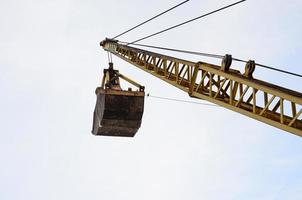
<point>274,105</point>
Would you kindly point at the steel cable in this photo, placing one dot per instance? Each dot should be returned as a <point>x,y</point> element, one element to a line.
<point>215,56</point>
<point>179,100</point>
<point>150,19</point>
<point>271,68</point>
<point>183,23</point>
<point>179,50</point>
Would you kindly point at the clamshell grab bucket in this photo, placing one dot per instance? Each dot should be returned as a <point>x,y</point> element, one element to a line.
<point>117,112</point>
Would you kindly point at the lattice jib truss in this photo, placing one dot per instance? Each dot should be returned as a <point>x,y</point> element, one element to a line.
<point>268,103</point>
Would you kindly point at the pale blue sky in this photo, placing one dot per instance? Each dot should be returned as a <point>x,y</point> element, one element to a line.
<point>51,63</point>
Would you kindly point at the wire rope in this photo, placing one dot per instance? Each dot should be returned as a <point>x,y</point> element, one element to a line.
<point>179,50</point>
<point>272,68</point>
<point>186,22</point>
<point>150,19</point>
<point>180,100</point>
<point>214,56</point>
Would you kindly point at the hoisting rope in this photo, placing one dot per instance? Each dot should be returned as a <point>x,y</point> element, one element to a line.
<point>183,23</point>
<point>150,19</point>
<point>109,55</point>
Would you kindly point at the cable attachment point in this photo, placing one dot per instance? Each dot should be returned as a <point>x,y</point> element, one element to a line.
<point>107,40</point>
<point>110,65</point>
<point>226,62</point>
<point>249,69</point>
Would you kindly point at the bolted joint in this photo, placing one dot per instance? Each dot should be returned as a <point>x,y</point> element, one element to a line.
<point>226,62</point>
<point>249,69</point>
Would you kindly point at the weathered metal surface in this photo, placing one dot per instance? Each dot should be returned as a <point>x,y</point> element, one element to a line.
<point>118,113</point>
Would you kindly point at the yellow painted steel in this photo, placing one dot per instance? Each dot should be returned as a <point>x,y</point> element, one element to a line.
<point>260,100</point>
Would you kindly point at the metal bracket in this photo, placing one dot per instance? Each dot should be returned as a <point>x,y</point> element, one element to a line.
<point>111,79</point>
<point>226,62</point>
<point>249,69</point>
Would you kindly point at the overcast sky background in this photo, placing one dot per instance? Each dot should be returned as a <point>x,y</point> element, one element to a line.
<point>51,62</point>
